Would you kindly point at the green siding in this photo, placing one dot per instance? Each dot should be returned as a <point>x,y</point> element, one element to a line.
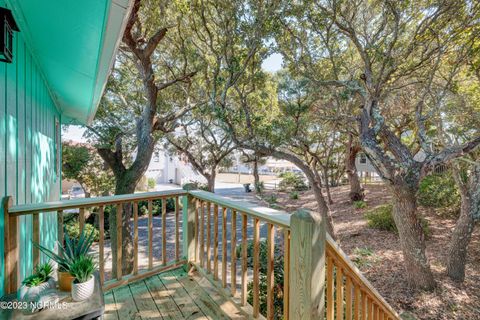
<point>27,147</point>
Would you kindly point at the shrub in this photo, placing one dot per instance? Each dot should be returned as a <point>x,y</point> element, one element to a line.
<point>294,195</point>
<point>151,183</point>
<point>259,187</point>
<point>359,204</point>
<point>156,206</point>
<point>73,230</point>
<point>278,277</point>
<point>364,257</point>
<point>271,199</point>
<point>292,181</point>
<point>381,218</point>
<point>438,191</point>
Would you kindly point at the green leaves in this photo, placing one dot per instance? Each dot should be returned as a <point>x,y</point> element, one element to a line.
<point>82,268</point>
<point>73,249</point>
<point>40,275</point>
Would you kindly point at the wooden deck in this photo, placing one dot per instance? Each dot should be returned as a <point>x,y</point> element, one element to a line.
<point>170,295</point>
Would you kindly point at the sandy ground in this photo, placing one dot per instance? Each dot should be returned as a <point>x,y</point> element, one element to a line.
<point>384,267</point>
<point>244,178</point>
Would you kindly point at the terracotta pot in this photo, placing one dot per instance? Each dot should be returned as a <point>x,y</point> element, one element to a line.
<point>83,290</point>
<point>65,281</point>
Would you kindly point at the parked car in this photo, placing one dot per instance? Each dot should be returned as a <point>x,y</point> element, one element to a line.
<point>76,192</point>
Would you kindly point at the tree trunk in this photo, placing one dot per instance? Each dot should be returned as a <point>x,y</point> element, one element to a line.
<point>457,253</point>
<point>211,181</point>
<point>256,176</point>
<point>327,185</point>
<point>462,234</point>
<point>412,238</point>
<point>123,186</point>
<point>356,190</point>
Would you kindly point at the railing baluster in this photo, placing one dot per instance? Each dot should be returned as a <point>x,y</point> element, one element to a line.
<point>270,272</point>
<point>150,234</point>
<point>244,259</point>
<point>286,273</point>
<point>177,231</point>
<point>339,292</point>
<point>164,231</point>
<point>119,240</point>
<point>11,247</point>
<point>348,298</point>
<point>233,253</point>
<point>196,236</point>
<point>224,247</point>
<point>215,242</point>
<point>60,226</point>
<point>202,234</point>
<point>101,244</point>
<point>356,302</point>
<point>330,295</point>
<point>369,308</point>
<point>135,237</point>
<point>256,267</point>
<point>36,238</point>
<point>81,219</point>
<point>364,305</point>
<point>209,265</point>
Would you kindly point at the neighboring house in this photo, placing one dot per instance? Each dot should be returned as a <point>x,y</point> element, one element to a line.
<point>365,168</point>
<point>167,168</point>
<point>61,57</point>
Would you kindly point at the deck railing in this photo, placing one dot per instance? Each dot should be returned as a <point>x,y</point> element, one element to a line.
<point>221,239</point>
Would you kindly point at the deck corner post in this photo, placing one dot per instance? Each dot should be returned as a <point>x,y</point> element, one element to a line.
<point>11,239</point>
<point>307,266</point>
<point>188,225</point>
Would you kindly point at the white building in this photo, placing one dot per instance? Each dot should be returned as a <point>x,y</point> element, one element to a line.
<point>167,168</point>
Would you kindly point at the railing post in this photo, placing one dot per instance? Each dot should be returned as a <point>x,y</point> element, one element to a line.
<point>188,225</point>
<point>307,266</point>
<point>11,239</point>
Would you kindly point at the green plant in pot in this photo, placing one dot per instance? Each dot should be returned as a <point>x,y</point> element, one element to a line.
<point>37,283</point>
<point>83,284</point>
<point>67,255</point>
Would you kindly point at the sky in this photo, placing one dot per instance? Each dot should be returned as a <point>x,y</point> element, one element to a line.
<point>74,133</point>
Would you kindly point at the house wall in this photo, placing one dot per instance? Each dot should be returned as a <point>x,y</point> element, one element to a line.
<point>29,157</point>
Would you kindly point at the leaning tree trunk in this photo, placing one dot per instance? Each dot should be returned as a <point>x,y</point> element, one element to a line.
<point>356,190</point>
<point>462,234</point>
<point>412,238</point>
<point>457,253</point>
<point>327,185</point>
<point>256,176</point>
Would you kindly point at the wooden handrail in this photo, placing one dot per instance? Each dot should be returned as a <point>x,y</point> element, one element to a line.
<point>276,217</point>
<point>24,209</point>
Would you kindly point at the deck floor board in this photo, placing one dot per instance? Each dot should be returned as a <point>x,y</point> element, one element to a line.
<point>170,295</point>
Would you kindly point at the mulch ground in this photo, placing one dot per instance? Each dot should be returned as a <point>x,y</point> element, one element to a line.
<point>383,266</point>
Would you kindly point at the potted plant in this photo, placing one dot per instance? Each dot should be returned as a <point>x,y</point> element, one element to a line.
<point>37,283</point>
<point>73,249</point>
<point>84,283</point>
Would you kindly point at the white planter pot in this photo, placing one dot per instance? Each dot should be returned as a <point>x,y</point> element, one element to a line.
<point>82,291</point>
<point>33,294</point>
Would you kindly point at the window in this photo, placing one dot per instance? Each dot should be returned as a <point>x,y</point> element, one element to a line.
<point>363,158</point>
<point>156,156</point>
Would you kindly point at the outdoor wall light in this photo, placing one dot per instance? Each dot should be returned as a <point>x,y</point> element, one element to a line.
<point>7,26</point>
